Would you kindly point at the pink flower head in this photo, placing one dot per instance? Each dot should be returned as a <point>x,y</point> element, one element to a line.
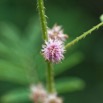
<point>38,94</point>
<point>57,33</point>
<point>53,50</point>
<point>52,98</point>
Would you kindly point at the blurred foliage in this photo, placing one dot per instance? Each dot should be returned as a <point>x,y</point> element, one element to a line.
<point>22,63</point>
<point>20,42</point>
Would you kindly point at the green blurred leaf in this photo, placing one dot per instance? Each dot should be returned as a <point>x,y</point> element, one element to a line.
<point>16,96</point>
<point>12,73</point>
<point>70,62</point>
<point>32,39</point>
<point>72,84</point>
<point>19,56</point>
<point>10,34</point>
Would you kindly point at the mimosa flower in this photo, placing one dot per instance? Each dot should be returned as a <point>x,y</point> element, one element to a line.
<point>38,94</point>
<point>53,99</point>
<point>53,51</point>
<point>57,33</point>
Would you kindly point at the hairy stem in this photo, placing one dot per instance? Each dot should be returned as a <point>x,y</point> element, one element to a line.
<point>43,21</point>
<point>50,78</point>
<point>83,35</point>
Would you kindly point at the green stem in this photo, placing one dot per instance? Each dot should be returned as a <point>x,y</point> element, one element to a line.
<point>83,35</point>
<point>43,21</point>
<point>50,78</point>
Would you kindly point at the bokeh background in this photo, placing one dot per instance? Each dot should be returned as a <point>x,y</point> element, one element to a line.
<point>79,79</point>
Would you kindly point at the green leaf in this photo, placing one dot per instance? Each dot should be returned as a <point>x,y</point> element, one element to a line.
<point>16,96</point>
<point>72,84</point>
<point>18,54</point>
<point>41,67</point>
<point>32,39</point>
<point>12,73</point>
<point>69,63</point>
<point>9,34</point>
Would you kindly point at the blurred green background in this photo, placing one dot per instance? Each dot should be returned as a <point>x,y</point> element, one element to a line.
<point>79,79</point>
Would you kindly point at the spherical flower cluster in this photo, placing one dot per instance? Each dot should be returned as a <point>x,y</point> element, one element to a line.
<point>38,94</point>
<point>53,51</point>
<point>57,33</point>
<point>52,98</point>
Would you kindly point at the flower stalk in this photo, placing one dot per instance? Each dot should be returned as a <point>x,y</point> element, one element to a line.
<point>41,10</point>
<point>83,35</point>
<point>50,76</point>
